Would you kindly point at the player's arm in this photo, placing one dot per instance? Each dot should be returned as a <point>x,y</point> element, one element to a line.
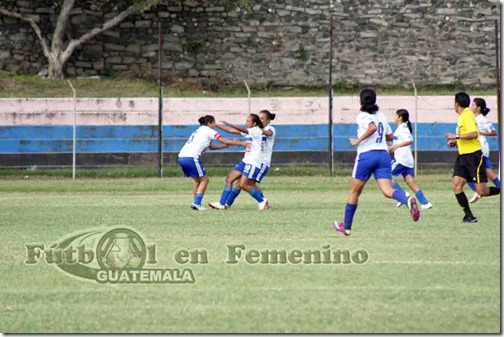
<point>228,130</point>
<point>236,127</point>
<point>491,133</point>
<point>218,146</point>
<point>465,136</point>
<point>230,142</point>
<point>371,129</point>
<point>394,147</point>
<point>267,133</point>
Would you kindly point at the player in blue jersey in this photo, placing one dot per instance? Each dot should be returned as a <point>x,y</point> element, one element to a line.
<point>189,156</point>
<point>403,162</point>
<point>372,158</point>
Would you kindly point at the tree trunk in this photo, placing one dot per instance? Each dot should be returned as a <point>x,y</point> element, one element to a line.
<point>55,68</point>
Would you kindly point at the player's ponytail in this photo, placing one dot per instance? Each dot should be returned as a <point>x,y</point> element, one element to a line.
<point>257,121</point>
<point>205,120</point>
<point>268,114</point>
<point>480,102</point>
<point>404,115</point>
<point>368,101</point>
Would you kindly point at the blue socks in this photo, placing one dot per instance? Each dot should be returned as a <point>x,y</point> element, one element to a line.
<point>396,186</point>
<point>197,198</point>
<point>256,194</point>
<point>349,214</point>
<point>496,182</point>
<point>231,197</point>
<point>471,185</point>
<point>225,194</point>
<point>423,200</point>
<point>400,196</point>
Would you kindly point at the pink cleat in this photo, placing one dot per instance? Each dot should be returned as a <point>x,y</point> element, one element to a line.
<point>341,228</point>
<point>413,207</point>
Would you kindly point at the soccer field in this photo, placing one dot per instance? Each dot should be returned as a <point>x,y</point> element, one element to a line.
<point>436,275</point>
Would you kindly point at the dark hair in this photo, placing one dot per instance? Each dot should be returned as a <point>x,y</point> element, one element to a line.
<point>480,102</point>
<point>257,120</point>
<point>462,99</point>
<point>205,120</point>
<point>404,115</point>
<point>269,114</point>
<point>368,101</point>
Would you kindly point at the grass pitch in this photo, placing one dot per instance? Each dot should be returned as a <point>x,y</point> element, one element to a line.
<point>437,275</point>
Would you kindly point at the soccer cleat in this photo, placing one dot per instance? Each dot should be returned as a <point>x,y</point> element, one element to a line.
<point>469,219</point>
<point>475,198</point>
<point>341,228</point>
<point>198,207</point>
<point>412,205</point>
<point>216,205</point>
<point>264,205</point>
<point>426,206</point>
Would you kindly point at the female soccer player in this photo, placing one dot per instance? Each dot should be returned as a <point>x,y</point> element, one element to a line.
<point>249,169</point>
<point>230,193</point>
<point>485,129</point>
<point>403,162</point>
<point>189,156</point>
<point>372,158</point>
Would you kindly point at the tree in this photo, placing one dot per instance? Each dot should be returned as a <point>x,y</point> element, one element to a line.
<point>60,48</point>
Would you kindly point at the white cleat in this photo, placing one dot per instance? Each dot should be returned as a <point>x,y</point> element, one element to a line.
<point>216,205</point>
<point>426,206</point>
<point>264,205</point>
<point>475,198</point>
<point>198,207</point>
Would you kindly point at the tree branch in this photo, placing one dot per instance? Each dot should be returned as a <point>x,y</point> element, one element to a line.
<point>33,24</point>
<point>59,31</point>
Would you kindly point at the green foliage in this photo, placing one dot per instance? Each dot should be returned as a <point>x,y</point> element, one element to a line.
<point>301,54</point>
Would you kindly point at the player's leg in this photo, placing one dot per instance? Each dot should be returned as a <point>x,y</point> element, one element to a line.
<point>233,176</point>
<point>398,169</point>
<point>490,173</point>
<point>410,181</point>
<point>479,175</point>
<point>247,184</point>
<point>194,168</point>
<point>262,173</point>
<point>460,177</point>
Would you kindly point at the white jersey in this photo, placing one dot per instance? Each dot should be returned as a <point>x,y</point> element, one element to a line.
<point>255,147</point>
<point>484,126</point>
<point>268,148</point>
<point>198,142</point>
<point>377,140</point>
<point>403,155</point>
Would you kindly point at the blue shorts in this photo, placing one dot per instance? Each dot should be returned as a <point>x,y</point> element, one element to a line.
<point>239,167</point>
<point>262,172</point>
<point>192,167</point>
<point>398,169</point>
<point>376,162</point>
<point>251,172</point>
<point>487,162</point>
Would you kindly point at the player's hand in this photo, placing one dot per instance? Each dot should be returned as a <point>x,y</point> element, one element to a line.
<point>353,141</point>
<point>392,148</point>
<point>452,143</point>
<point>450,135</point>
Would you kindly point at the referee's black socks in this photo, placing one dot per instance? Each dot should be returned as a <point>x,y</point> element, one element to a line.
<point>464,203</point>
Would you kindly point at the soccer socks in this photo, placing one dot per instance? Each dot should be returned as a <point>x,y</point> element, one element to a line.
<point>225,194</point>
<point>396,186</point>
<point>349,214</point>
<point>496,182</point>
<point>494,191</point>
<point>231,197</point>
<point>197,198</point>
<point>471,186</point>
<point>464,203</point>
<point>400,196</point>
<point>256,194</point>
<point>421,197</point>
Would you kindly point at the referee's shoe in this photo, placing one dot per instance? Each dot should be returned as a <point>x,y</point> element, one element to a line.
<point>470,219</point>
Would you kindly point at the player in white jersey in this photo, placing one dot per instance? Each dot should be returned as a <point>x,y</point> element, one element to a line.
<point>189,156</point>
<point>372,158</point>
<point>485,129</point>
<point>403,162</point>
<point>249,170</point>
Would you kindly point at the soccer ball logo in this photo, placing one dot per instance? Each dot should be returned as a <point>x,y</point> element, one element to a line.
<point>121,248</point>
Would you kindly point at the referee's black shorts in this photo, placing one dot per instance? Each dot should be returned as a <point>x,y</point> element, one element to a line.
<point>471,167</point>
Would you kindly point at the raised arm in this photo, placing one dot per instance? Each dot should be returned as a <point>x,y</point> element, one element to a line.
<point>228,130</point>
<point>236,127</point>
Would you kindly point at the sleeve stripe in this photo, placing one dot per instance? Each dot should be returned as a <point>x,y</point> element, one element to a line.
<point>217,136</point>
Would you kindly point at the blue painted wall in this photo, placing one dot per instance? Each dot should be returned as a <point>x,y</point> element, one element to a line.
<point>108,139</point>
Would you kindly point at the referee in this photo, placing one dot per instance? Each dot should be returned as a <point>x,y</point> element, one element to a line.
<point>469,165</point>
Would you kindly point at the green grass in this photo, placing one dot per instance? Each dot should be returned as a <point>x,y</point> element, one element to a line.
<point>31,86</point>
<point>437,275</point>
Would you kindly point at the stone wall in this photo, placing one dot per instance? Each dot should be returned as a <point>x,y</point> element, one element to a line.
<point>284,42</point>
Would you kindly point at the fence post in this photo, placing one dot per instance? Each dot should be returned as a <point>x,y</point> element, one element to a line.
<point>415,137</point>
<point>160,107</point>
<point>74,137</point>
